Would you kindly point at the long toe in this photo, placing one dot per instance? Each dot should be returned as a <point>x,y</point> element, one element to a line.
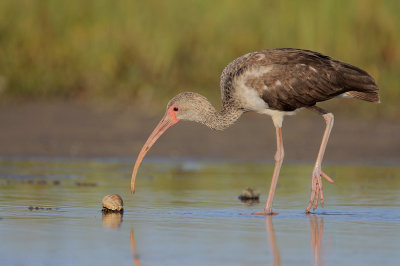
<point>313,194</point>
<point>330,180</point>
<point>317,193</point>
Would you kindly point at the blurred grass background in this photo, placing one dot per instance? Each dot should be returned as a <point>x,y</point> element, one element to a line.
<point>131,52</point>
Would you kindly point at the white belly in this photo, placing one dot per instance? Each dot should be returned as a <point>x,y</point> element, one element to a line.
<point>251,100</point>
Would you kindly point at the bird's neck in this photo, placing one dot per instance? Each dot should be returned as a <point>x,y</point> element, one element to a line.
<point>219,120</point>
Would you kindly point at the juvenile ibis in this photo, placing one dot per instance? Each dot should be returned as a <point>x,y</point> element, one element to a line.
<point>276,82</point>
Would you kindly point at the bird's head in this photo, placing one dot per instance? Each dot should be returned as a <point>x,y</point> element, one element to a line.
<point>184,106</point>
<point>189,106</point>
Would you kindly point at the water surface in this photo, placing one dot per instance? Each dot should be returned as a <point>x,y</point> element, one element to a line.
<point>187,213</point>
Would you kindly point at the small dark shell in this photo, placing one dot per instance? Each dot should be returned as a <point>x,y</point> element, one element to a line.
<point>249,194</point>
<point>113,202</point>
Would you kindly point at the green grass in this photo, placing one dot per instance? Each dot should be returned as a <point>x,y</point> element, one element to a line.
<point>147,51</point>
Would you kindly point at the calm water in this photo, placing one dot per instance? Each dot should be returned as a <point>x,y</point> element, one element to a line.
<point>188,213</point>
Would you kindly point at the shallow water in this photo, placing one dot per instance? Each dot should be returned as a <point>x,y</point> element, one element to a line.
<point>187,213</point>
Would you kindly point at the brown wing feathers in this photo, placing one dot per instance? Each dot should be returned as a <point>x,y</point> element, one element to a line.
<point>358,83</point>
<point>299,78</point>
<point>294,86</point>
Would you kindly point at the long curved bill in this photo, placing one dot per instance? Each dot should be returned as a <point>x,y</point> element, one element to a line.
<point>166,122</point>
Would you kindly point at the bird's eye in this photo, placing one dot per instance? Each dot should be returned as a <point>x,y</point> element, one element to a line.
<point>176,109</point>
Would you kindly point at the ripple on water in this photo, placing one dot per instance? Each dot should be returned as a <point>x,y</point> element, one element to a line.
<point>188,212</point>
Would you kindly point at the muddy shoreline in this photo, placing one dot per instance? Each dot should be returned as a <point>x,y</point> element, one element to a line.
<point>68,129</point>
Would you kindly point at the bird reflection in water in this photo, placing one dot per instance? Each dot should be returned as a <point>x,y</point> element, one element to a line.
<point>316,232</point>
<point>136,261</point>
<point>112,220</point>
<point>272,241</point>
<point>316,237</point>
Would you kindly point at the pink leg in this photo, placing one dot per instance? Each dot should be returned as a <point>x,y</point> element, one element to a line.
<point>316,181</point>
<point>278,163</point>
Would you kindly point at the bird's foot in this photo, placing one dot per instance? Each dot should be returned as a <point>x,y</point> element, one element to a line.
<point>265,213</point>
<point>316,189</point>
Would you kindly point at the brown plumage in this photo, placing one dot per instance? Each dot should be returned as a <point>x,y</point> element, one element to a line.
<point>305,78</point>
<point>276,82</point>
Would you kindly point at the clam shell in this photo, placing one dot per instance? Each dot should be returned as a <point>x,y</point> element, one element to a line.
<point>113,202</point>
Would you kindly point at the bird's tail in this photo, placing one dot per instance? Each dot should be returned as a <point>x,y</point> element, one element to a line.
<point>372,97</point>
<point>359,83</point>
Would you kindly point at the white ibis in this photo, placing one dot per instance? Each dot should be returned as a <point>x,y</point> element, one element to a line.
<point>276,82</point>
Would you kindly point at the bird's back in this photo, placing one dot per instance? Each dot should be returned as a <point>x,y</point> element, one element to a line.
<point>288,79</point>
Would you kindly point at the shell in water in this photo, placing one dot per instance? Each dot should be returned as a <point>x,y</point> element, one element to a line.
<point>113,202</point>
<point>249,194</point>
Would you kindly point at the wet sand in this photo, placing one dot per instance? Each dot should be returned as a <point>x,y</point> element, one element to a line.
<point>69,129</point>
